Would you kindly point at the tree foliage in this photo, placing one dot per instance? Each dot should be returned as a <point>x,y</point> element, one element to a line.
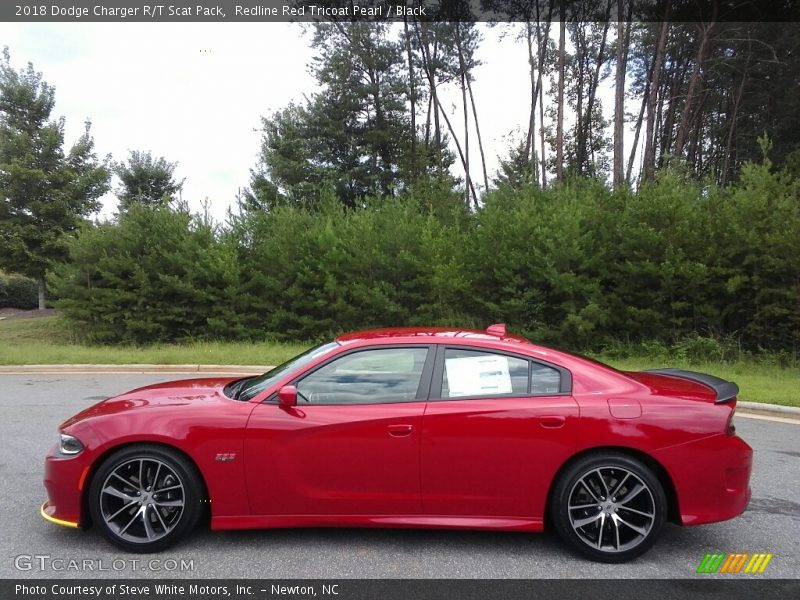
<point>17,291</point>
<point>576,265</point>
<point>353,134</point>
<point>146,180</point>
<point>154,274</point>
<point>45,192</point>
<point>356,215</point>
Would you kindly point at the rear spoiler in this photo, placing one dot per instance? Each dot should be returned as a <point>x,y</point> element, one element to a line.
<point>725,390</point>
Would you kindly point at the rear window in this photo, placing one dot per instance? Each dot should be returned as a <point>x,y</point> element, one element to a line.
<point>473,373</point>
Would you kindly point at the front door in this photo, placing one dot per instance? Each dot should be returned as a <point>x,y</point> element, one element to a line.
<point>351,445</point>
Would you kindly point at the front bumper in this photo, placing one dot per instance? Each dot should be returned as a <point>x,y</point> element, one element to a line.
<point>64,478</point>
<point>711,477</point>
<point>47,511</point>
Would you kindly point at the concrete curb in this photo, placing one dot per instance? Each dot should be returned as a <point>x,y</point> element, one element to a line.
<point>234,369</point>
<point>758,408</point>
<point>776,410</point>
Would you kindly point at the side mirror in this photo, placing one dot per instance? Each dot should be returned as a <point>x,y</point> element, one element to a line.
<point>287,396</point>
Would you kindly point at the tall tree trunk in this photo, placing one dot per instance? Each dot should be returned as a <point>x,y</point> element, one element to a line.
<point>478,133</point>
<point>437,109</point>
<point>421,32</point>
<point>382,151</point>
<point>541,48</point>
<point>580,142</point>
<point>619,99</point>
<point>412,101</point>
<point>694,82</point>
<point>639,119</point>
<point>694,152</point>
<point>649,160</point>
<point>536,80</point>
<point>729,148</point>
<point>466,78</point>
<point>462,74</point>
<point>40,281</point>
<point>676,75</point>
<point>428,122</point>
<point>560,124</point>
<point>593,83</point>
<point>458,148</point>
<point>541,137</point>
<point>529,143</point>
<point>437,126</point>
<point>659,127</point>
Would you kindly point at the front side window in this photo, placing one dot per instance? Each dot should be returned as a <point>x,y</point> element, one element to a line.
<point>254,386</point>
<point>471,373</point>
<point>377,376</point>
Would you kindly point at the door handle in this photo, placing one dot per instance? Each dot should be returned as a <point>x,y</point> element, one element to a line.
<point>552,421</point>
<point>400,430</point>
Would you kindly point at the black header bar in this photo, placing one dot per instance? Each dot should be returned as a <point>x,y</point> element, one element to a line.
<point>699,11</point>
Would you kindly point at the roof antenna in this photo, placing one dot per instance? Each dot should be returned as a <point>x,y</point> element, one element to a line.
<point>498,329</point>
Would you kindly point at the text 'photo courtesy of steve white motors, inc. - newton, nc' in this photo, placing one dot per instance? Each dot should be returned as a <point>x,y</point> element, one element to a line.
<point>172,590</point>
<point>156,11</point>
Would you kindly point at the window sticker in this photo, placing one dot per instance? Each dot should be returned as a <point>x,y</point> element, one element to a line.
<point>478,375</point>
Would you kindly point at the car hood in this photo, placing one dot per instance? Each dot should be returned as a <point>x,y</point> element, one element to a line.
<point>188,392</point>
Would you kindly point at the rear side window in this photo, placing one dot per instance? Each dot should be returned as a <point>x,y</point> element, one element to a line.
<point>545,380</point>
<point>471,373</point>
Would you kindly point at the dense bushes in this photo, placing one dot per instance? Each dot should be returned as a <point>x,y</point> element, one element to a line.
<point>576,265</point>
<point>157,274</point>
<point>17,291</point>
<point>306,275</point>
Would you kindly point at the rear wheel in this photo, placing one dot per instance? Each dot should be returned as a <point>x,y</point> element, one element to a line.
<point>609,506</point>
<point>145,498</point>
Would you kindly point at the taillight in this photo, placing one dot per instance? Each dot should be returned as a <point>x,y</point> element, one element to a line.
<point>730,428</point>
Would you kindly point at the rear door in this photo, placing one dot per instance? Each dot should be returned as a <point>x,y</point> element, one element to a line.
<point>496,429</point>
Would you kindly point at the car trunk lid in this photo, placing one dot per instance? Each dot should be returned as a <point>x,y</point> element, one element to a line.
<point>680,382</point>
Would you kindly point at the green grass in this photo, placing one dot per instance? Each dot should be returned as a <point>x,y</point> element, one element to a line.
<point>45,340</point>
<point>757,382</point>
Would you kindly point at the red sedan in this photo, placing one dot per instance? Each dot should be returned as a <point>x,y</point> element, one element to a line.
<point>434,428</point>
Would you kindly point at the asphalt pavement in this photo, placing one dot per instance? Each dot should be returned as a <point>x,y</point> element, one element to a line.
<point>32,406</point>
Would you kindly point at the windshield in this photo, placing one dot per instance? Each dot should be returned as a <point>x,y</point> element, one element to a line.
<point>255,386</point>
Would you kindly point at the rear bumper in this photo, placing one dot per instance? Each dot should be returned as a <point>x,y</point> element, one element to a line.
<point>711,477</point>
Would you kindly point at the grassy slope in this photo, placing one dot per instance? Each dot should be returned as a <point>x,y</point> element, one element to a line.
<point>45,341</point>
<point>757,382</point>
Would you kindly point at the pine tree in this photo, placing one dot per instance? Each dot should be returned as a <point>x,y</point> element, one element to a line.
<point>352,135</point>
<point>146,180</point>
<point>44,192</point>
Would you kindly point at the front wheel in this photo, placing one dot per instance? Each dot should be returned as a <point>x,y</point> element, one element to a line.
<point>609,506</point>
<point>145,498</point>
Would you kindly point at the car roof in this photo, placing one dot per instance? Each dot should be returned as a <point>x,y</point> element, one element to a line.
<point>439,334</point>
<point>494,336</point>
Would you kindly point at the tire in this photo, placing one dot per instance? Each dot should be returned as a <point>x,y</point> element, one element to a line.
<point>131,513</point>
<point>609,507</point>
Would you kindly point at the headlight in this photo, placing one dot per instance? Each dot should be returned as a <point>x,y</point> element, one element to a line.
<point>69,444</point>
